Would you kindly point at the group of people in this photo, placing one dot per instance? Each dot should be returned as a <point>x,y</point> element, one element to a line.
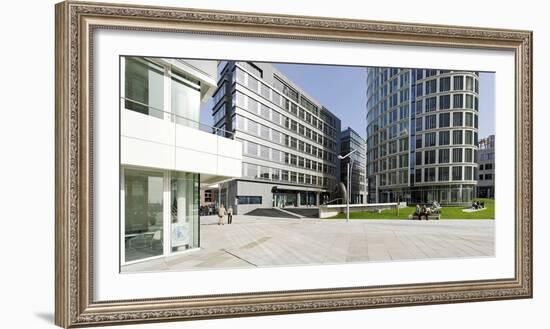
<point>424,211</point>
<point>478,204</point>
<point>222,212</point>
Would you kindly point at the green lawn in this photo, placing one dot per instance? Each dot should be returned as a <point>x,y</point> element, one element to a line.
<point>446,213</point>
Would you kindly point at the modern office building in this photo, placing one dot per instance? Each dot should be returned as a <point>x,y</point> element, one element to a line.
<point>422,130</point>
<point>486,179</point>
<point>166,155</point>
<point>351,141</point>
<point>290,142</point>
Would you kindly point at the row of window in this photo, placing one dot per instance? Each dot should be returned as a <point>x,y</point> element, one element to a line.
<point>443,120</point>
<point>299,106</point>
<point>394,162</point>
<point>257,108</point>
<point>444,174</point>
<point>269,154</point>
<point>459,101</point>
<point>280,175</point>
<point>431,86</point>
<point>444,156</point>
<point>248,199</point>
<point>487,166</point>
<point>395,177</point>
<point>485,176</point>
<point>441,138</point>
<point>256,129</point>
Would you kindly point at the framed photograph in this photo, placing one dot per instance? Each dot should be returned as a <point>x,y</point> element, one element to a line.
<point>218,164</point>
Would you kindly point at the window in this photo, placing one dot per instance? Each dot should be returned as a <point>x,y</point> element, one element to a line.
<point>469,101</point>
<point>418,175</point>
<point>457,155</point>
<point>144,87</point>
<point>468,155</point>
<point>418,124</point>
<point>444,102</point>
<point>429,174</point>
<point>444,120</point>
<point>429,139</point>
<point>431,104</point>
<point>430,122</point>
<point>468,173</point>
<point>285,89</point>
<point>458,101</point>
<point>469,120</point>
<point>429,157</point>
<point>468,137</point>
<point>445,84</point>
<point>457,119</point>
<point>470,83</point>
<point>252,149</point>
<point>418,141</point>
<point>143,204</point>
<point>443,155</point>
<point>443,174</point>
<point>249,199</point>
<point>444,138</point>
<point>458,83</point>
<point>457,173</point>
<point>457,137</point>
<point>419,107</point>
<point>418,159</point>
<point>419,89</point>
<point>431,86</point>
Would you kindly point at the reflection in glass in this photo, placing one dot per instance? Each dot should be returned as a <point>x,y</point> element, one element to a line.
<point>143,227</point>
<point>144,87</point>
<point>185,211</point>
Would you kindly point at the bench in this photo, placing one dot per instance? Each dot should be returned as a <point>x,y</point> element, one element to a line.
<point>423,217</point>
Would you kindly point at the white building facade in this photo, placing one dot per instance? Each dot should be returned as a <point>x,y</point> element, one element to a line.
<point>167,154</point>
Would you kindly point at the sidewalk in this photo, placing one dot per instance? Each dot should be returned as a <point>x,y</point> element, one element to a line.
<point>264,242</point>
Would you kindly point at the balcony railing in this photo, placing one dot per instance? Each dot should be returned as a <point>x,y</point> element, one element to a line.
<point>173,117</point>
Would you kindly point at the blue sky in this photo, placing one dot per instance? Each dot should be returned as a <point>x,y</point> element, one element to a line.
<point>342,90</point>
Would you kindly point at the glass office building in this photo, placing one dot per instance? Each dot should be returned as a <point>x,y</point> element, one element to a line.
<point>351,141</point>
<point>422,132</point>
<point>290,141</point>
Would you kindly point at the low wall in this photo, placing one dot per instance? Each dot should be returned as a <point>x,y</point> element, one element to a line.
<point>327,211</point>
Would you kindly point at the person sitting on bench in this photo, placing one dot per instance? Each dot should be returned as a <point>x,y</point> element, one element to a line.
<point>425,212</point>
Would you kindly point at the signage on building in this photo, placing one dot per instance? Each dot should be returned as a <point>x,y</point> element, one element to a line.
<point>180,234</point>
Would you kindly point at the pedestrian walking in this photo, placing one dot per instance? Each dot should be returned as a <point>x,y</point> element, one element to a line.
<point>221,214</point>
<point>230,215</point>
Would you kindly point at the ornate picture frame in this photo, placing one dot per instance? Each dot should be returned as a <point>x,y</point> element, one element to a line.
<point>76,22</point>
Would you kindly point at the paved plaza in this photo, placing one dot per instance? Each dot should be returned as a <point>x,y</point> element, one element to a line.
<point>265,242</point>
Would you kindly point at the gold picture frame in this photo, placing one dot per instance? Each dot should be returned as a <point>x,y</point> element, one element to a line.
<point>75,24</point>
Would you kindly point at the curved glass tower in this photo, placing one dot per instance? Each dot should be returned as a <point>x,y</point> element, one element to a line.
<point>422,131</point>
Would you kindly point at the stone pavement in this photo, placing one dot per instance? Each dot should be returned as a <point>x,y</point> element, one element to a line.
<point>265,242</point>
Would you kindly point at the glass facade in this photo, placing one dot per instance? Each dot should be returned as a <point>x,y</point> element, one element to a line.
<point>143,214</point>
<point>288,139</point>
<point>441,128</point>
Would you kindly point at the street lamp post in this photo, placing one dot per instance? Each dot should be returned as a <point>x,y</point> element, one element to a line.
<point>348,192</point>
